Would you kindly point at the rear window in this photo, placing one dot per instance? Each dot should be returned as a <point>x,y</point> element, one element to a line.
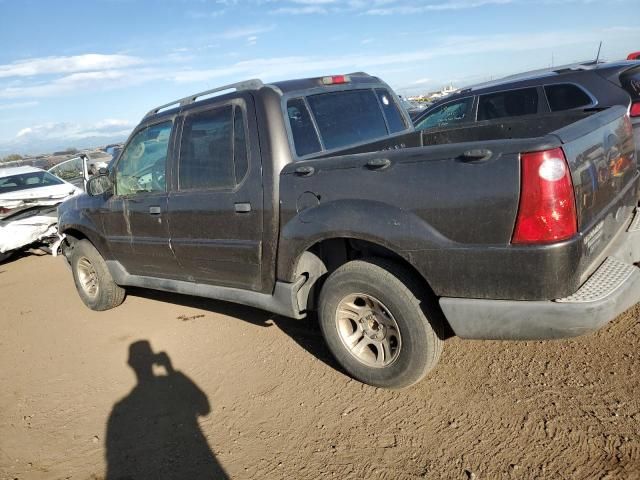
<point>566,97</point>
<point>630,81</point>
<point>342,119</point>
<point>28,180</point>
<point>511,103</point>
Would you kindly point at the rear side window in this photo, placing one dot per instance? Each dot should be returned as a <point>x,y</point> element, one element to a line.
<point>240,160</point>
<point>630,81</point>
<point>342,118</point>
<point>566,97</point>
<point>213,152</point>
<point>511,103</point>
<point>391,112</point>
<point>304,133</point>
<point>450,113</point>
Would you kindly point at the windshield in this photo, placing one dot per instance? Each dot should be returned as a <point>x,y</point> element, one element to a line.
<point>28,180</point>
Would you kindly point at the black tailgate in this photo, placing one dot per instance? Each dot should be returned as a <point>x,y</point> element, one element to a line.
<point>601,154</point>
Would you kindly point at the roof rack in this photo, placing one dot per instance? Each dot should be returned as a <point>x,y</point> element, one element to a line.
<point>253,84</point>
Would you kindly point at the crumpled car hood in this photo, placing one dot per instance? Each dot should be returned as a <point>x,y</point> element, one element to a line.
<point>14,202</point>
<point>27,216</point>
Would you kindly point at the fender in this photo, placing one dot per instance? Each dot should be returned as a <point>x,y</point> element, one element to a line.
<point>75,214</point>
<point>393,228</point>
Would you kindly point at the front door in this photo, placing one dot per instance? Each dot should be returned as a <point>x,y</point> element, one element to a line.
<point>215,212</point>
<point>136,224</point>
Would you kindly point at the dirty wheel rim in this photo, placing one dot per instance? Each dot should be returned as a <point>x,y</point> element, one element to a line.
<point>368,330</point>
<point>88,277</point>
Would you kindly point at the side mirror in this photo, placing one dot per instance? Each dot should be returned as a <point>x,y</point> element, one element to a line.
<point>99,184</point>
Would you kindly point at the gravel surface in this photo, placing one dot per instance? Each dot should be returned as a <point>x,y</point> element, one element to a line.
<point>167,386</point>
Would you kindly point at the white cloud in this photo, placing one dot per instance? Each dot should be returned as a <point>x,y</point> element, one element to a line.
<point>309,10</point>
<point>202,15</point>
<point>421,81</point>
<point>282,67</point>
<point>240,32</point>
<point>69,131</point>
<point>416,8</point>
<point>57,65</point>
<point>367,41</point>
<point>17,105</point>
<point>313,2</point>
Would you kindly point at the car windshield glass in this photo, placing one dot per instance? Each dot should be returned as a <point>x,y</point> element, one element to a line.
<point>28,180</point>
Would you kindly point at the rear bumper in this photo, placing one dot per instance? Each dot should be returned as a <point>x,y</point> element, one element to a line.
<point>613,288</point>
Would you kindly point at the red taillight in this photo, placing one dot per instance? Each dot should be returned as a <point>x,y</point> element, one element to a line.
<point>634,111</point>
<point>547,211</point>
<point>335,79</point>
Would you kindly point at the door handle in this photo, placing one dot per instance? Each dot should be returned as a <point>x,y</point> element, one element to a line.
<point>243,207</point>
<point>155,210</point>
<point>476,155</point>
<point>378,164</point>
<point>305,171</point>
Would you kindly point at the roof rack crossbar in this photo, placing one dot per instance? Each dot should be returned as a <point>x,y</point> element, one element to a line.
<point>246,85</point>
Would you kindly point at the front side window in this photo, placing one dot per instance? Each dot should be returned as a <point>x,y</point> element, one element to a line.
<point>450,113</point>
<point>566,96</point>
<point>213,150</point>
<point>142,165</point>
<point>69,170</point>
<point>511,103</point>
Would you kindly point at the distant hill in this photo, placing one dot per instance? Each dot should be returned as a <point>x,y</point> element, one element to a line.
<point>32,146</point>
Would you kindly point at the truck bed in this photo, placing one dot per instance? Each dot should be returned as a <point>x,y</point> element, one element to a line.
<point>448,199</point>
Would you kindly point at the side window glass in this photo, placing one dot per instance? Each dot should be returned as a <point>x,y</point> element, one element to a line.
<point>449,114</point>
<point>239,145</point>
<point>391,112</point>
<point>566,97</point>
<point>206,150</point>
<point>512,103</point>
<point>304,134</point>
<point>142,165</point>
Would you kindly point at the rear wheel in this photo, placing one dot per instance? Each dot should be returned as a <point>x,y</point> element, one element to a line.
<point>94,283</point>
<point>375,320</point>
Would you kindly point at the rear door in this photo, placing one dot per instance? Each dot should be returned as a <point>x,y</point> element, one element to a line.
<point>216,206</point>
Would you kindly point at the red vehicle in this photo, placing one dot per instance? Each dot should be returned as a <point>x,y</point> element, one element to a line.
<point>634,56</point>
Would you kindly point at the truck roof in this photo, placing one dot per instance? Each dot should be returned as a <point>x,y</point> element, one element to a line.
<point>282,87</point>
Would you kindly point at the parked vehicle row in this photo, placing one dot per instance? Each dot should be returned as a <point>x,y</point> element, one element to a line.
<point>571,87</point>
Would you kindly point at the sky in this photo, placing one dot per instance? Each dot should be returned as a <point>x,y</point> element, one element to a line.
<point>75,71</point>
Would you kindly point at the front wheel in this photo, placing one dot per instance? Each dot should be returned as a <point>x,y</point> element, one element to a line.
<point>93,281</point>
<point>374,319</point>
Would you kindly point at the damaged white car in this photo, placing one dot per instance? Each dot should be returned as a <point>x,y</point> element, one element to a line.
<point>29,198</point>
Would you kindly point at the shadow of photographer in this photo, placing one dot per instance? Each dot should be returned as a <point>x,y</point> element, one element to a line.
<point>153,432</point>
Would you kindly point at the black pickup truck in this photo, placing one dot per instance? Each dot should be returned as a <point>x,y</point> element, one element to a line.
<point>318,195</point>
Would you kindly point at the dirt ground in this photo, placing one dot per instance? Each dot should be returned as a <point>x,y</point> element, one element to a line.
<point>239,393</point>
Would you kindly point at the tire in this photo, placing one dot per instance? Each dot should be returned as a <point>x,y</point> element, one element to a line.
<point>5,256</point>
<point>374,315</point>
<point>93,281</point>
